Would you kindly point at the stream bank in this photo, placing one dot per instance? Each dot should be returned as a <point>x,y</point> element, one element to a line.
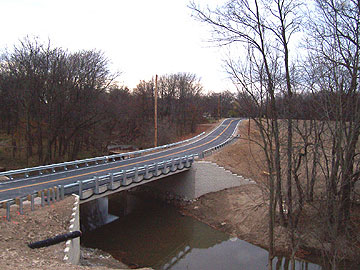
<point>151,233</point>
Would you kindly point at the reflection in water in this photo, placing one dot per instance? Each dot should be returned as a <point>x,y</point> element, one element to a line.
<point>156,235</point>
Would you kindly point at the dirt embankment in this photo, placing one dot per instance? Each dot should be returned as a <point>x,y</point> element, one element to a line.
<point>243,211</point>
<point>43,223</point>
<point>240,211</point>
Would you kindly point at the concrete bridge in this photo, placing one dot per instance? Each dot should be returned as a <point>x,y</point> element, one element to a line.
<point>99,177</point>
<point>171,170</point>
<point>186,185</point>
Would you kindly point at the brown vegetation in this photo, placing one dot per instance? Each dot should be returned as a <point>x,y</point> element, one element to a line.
<point>56,106</point>
<point>247,215</point>
<point>274,87</point>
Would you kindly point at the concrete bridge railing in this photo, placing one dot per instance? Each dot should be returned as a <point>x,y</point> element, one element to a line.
<point>100,185</point>
<point>127,178</point>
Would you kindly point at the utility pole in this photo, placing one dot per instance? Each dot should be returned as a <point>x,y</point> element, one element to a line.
<point>155,112</point>
<point>219,106</point>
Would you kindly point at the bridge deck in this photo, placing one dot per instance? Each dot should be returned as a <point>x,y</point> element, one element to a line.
<point>23,186</point>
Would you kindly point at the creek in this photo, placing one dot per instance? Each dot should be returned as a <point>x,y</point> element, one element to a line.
<point>149,233</point>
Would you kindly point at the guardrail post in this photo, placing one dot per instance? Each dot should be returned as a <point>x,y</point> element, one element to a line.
<point>123,178</point>
<point>65,168</point>
<point>181,165</point>
<point>53,194</point>
<point>136,175</point>
<point>80,189</point>
<point>96,180</point>
<point>42,194</point>
<point>57,193</point>
<point>31,198</point>
<point>7,211</point>
<point>146,176</point>
<point>173,165</point>
<point>62,192</point>
<point>187,162</point>
<point>48,197</point>
<point>19,201</point>
<point>156,169</point>
<point>165,171</point>
<point>111,184</point>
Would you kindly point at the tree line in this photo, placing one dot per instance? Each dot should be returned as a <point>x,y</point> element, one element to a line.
<point>57,105</point>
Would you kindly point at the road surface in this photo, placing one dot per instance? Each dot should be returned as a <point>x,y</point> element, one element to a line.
<point>21,187</point>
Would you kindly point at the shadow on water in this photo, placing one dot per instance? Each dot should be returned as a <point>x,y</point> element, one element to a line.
<point>149,233</point>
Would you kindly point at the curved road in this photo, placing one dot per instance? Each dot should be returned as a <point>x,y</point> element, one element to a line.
<point>22,187</point>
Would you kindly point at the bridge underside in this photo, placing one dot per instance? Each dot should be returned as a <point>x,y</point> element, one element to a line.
<point>104,191</point>
<point>186,184</point>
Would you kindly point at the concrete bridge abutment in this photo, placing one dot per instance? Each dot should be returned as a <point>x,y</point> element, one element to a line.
<point>203,177</point>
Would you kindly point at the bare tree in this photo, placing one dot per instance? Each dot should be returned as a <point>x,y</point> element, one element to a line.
<point>55,95</point>
<point>334,54</point>
<point>264,29</point>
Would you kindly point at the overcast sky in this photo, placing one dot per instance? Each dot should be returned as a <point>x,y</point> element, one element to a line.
<point>140,37</point>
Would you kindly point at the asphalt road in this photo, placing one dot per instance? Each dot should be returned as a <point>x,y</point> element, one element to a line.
<point>22,187</point>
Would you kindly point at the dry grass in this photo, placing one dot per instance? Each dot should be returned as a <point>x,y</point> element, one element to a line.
<point>245,157</point>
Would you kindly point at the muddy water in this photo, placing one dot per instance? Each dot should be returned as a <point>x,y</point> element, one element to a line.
<point>149,233</point>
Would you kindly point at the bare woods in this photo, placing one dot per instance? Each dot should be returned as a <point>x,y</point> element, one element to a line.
<point>295,60</point>
<point>58,105</point>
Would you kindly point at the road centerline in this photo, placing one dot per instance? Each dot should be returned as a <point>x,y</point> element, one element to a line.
<point>117,167</point>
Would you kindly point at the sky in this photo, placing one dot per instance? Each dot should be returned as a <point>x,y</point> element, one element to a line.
<point>140,37</point>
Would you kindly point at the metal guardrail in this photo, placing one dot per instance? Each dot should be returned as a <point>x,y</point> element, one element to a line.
<point>109,182</point>
<point>64,166</point>
<point>100,185</point>
<point>209,151</point>
<point>124,178</point>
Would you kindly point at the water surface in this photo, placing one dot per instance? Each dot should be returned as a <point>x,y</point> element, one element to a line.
<point>153,234</point>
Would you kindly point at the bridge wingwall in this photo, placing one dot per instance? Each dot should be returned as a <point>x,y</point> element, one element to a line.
<point>202,178</point>
<point>72,249</point>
